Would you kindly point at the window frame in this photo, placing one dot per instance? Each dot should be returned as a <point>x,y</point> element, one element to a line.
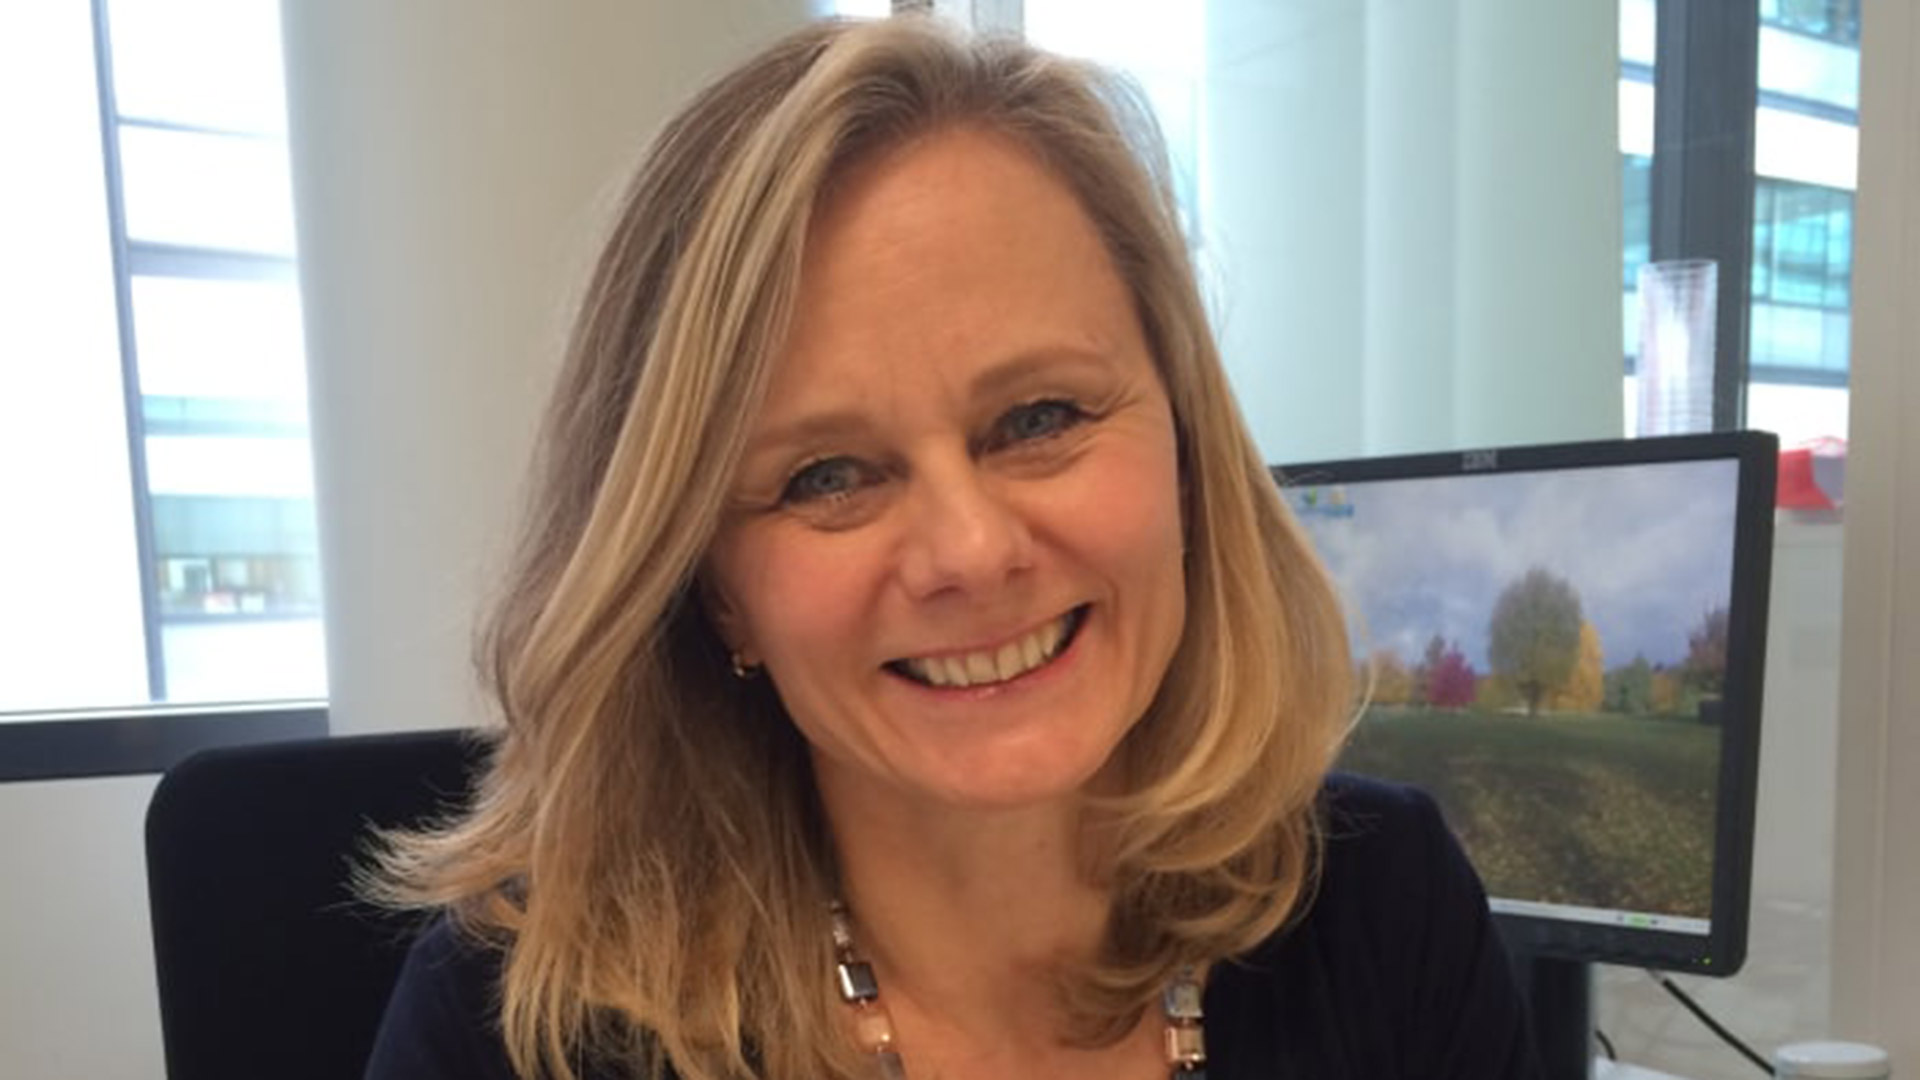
<point>146,739</point>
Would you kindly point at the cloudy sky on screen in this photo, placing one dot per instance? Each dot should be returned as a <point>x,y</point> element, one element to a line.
<point>1649,548</point>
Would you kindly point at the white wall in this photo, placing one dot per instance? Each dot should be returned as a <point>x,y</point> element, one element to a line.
<point>451,157</point>
<point>1876,954</point>
<point>452,162</point>
<point>76,957</point>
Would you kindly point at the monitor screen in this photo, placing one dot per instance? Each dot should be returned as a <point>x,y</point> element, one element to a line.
<point>1565,646</point>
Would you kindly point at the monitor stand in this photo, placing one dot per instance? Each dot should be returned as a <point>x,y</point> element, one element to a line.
<point>1559,995</point>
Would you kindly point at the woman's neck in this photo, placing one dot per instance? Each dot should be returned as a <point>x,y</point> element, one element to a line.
<point>969,915</point>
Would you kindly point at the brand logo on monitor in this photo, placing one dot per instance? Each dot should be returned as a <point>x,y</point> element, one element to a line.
<point>1480,460</point>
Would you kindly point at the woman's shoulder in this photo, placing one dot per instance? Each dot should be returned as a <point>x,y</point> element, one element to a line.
<point>443,1017</point>
<point>1392,969</point>
<point>1366,817</point>
<point>456,962</point>
<point>1388,853</point>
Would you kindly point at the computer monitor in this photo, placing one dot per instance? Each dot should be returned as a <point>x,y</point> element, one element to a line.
<point>1566,646</point>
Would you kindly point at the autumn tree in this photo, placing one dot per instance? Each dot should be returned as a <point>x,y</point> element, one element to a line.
<point>1429,658</point>
<point>1533,638</point>
<point>1450,680</point>
<point>1495,694</point>
<point>1585,687</point>
<point>1392,682</point>
<point>1629,688</point>
<point>1663,692</point>
<point>1705,669</point>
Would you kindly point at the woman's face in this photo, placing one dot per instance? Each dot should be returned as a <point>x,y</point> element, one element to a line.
<point>955,539</point>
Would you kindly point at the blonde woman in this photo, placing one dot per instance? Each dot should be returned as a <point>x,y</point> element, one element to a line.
<point>911,670</point>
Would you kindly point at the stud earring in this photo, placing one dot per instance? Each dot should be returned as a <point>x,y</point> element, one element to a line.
<point>743,670</point>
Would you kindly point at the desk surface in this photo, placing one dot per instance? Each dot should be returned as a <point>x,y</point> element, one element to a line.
<point>1616,1070</point>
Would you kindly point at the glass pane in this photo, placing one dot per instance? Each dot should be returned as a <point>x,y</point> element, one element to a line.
<point>200,63</point>
<point>201,338</point>
<point>1838,20</point>
<point>1798,343</point>
<point>265,466</point>
<point>71,632</point>
<point>244,660</point>
<point>213,191</point>
<point>1806,150</point>
<point>222,555</point>
<point>1808,69</point>
<point>236,554</point>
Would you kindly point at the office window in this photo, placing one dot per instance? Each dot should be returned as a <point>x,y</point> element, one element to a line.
<point>1805,130</point>
<point>1802,244</point>
<point>1835,20</point>
<point>153,433</point>
<point>1636,215</point>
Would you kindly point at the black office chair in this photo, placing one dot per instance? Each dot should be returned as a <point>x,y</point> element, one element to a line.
<point>268,965</point>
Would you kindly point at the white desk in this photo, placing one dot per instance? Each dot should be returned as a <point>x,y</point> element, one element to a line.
<point>1619,1070</point>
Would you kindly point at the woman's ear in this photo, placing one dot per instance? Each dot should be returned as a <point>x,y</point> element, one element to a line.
<point>727,622</point>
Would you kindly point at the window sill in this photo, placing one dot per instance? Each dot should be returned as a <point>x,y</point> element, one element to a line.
<point>124,742</point>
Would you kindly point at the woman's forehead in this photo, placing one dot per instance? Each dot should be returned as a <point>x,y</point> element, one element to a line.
<point>955,242</point>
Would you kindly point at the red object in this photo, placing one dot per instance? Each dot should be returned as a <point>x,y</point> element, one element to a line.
<point>1813,476</point>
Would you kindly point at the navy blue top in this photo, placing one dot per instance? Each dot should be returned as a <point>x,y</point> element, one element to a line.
<point>1394,974</point>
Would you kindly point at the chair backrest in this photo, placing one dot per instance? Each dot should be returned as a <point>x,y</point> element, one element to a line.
<point>268,964</point>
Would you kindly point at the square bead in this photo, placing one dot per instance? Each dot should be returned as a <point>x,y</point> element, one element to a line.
<point>891,1067</point>
<point>872,1028</point>
<point>856,981</point>
<point>1181,1000</point>
<point>1186,1046</point>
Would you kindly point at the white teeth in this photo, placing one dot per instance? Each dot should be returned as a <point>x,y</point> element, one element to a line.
<point>1010,661</point>
<point>1031,653</point>
<point>980,668</point>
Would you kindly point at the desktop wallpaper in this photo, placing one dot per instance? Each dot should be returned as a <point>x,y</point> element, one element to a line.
<point>1547,651</point>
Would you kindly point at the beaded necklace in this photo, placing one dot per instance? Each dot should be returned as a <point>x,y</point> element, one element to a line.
<point>1185,1034</point>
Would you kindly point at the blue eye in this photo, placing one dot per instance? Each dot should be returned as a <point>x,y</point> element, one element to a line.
<point>827,478</point>
<point>1037,420</point>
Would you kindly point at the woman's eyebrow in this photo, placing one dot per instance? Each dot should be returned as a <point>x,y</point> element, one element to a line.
<point>847,423</point>
<point>808,429</point>
<point>1030,365</point>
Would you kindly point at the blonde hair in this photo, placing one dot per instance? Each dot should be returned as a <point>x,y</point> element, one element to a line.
<point>646,845</point>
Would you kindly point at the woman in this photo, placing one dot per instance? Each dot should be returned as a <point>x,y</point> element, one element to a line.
<point>911,669</point>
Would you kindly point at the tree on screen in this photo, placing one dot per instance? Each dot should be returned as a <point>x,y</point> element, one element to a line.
<point>1705,670</point>
<point>1629,688</point>
<point>1585,688</point>
<point>1423,672</point>
<point>1533,639</point>
<point>1392,683</point>
<point>1451,681</point>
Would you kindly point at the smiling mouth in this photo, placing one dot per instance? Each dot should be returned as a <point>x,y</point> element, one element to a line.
<point>1010,661</point>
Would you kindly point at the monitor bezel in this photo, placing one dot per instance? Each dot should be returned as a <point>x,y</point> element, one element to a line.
<point>1722,949</point>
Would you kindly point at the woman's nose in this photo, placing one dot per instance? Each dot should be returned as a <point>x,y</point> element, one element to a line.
<point>963,532</point>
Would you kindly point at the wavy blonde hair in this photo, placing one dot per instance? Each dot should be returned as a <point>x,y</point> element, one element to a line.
<point>646,845</point>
